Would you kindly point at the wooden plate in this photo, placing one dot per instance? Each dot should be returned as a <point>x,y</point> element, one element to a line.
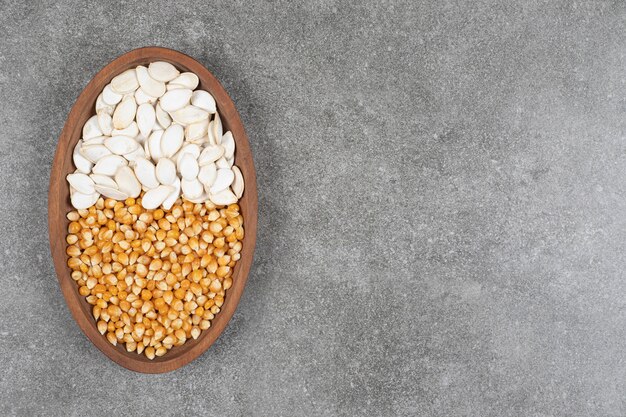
<point>59,205</point>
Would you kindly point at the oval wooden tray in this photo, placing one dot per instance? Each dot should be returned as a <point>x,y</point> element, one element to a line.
<point>59,205</point>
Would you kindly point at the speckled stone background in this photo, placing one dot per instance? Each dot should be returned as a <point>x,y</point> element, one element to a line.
<point>442,208</point>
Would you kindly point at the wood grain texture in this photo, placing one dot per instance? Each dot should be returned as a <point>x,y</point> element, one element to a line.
<point>59,205</point>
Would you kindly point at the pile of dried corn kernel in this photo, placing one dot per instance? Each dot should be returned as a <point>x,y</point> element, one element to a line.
<point>155,278</point>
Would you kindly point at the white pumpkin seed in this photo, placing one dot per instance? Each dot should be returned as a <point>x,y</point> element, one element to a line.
<point>102,107</point>
<point>153,198</point>
<point>81,163</point>
<point>231,161</point>
<point>189,114</point>
<point>94,152</point>
<point>142,98</point>
<point>172,140</point>
<point>237,185</point>
<point>124,113</point>
<point>82,201</point>
<point>171,199</point>
<point>108,165</point>
<point>131,131</point>
<point>189,148</point>
<point>91,129</point>
<point>166,171</point>
<point>110,97</point>
<point>162,117</point>
<point>127,182</point>
<point>105,122</point>
<point>217,129</point>
<point>210,134</point>
<point>196,131</point>
<point>154,143</point>
<point>204,100</point>
<point>121,145</point>
<point>191,188</point>
<point>228,142</point>
<point>188,167</point>
<point>222,181</point>
<point>146,117</point>
<point>175,99</point>
<point>125,82</point>
<point>222,163</point>
<point>146,173</point>
<point>148,84</point>
<point>162,71</point>
<point>187,79</point>
<point>210,154</point>
<point>103,180</point>
<point>207,175</point>
<point>223,198</point>
<point>113,193</point>
<point>81,183</point>
<point>98,140</point>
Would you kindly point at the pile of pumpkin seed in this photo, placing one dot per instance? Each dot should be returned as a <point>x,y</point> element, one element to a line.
<point>153,132</point>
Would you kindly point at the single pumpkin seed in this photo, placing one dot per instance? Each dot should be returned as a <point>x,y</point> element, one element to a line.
<point>189,114</point>
<point>91,129</point>
<point>204,100</point>
<point>222,181</point>
<point>162,71</point>
<point>191,188</point>
<point>100,179</point>
<point>145,173</point>
<point>223,198</point>
<point>217,129</point>
<point>175,99</point>
<point>121,145</point>
<point>127,182</point>
<point>82,201</point>
<point>162,117</point>
<point>187,79</point>
<point>108,165</point>
<point>94,152</point>
<point>146,117</point>
<point>154,197</point>
<point>172,140</point>
<point>124,113</point>
<point>237,185</point>
<point>148,84</point>
<point>188,167</point>
<point>81,183</point>
<point>228,142</point>
<point>166,171</point>
<point>110,97</point>
<point>81,163</point>
<point>154,143</point>
<point>105,122</point>
<point>207,175</point>
<point>125,82</point>
<point>210,154</point>
<point>189,148</point>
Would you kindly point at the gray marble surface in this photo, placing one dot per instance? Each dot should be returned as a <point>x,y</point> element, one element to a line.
<point>442,199</point>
